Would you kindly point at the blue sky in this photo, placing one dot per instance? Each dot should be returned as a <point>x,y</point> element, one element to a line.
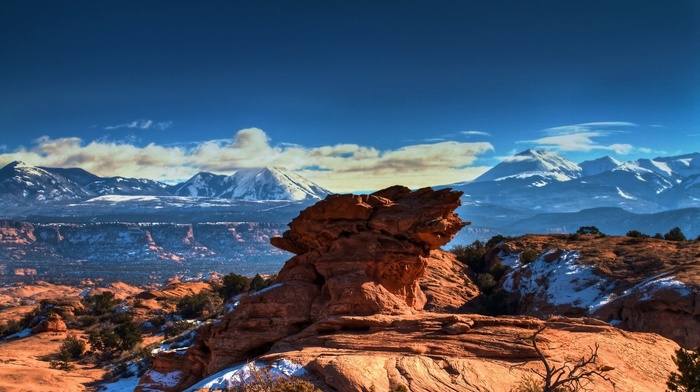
<point>354,95</point>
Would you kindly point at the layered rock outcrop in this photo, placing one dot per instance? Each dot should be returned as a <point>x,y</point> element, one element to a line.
<point>355,255</point>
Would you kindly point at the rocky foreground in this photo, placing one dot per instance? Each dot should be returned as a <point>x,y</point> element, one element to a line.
<point>351,308</point>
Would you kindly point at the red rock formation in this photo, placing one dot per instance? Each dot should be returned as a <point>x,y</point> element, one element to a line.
<point>355,255</point>
<point>53,323</point>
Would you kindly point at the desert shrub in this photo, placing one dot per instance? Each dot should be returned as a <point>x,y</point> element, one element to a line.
<point>72,347</point>
<point>588,230</point>
<point>10,327</point>
<point>88,320</point>
<point>528,384</point>
<point>528,256</point>
<point>122,337</point>
<point>234,284</point>
<point>129,334</point>
<point>198,305</point>
<point>263,381</point>
<point>574,237</point>
<point>259,283</point>
<point>176,327</point>
<point>398,388</point>
<point>120,318</point>
<point>675,234</point>
<point>498,270</point>
<point>636,234</point>
<point>100,304</point>
<point>658,236</point>
<point>687,379</point>
<point>486,282</point>
<point>471,255</point>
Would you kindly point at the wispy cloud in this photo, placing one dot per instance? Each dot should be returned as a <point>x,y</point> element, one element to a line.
<point>142,124</point>
<point>340,168</point>
<point>580,137</point>
<point>474,133</point>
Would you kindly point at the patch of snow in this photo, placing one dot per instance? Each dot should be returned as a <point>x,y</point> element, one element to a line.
<point>165,379</point>
<point>624,195</point>
<point>244,373</point>
<point>266,289</point>
<point>123,385</point>
<point>561,281</point>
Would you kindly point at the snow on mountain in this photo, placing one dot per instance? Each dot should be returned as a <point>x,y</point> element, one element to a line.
<point>597,166</point>
<point>127,186</point>
<point>202,184</point>
<point>24,184</point>
<point>683,165</point>
<point>541,167</point>
<point>271,184</point>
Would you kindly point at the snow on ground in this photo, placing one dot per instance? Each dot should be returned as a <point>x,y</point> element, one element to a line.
<point>123,385</point>
<point>244,373</point>
<point>566,281</point>
<point>561,281</point>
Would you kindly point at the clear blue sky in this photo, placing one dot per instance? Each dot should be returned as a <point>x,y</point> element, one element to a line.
<point>344,91</point>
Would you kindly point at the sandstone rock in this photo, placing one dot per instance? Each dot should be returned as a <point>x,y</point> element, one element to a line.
<point>53,323</point>
<point>356,255</point>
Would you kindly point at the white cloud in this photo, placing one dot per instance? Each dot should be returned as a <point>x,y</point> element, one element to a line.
<point>340,168</point>
<point>580,137</point>
<point>142,124</point>
<point>474,133</point>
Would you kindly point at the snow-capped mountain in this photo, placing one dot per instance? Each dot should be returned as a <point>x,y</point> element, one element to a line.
<point>24,184</point>
<point>127,186</point>
<point>531,184</point>
<point>271,184</point>
<point>252,184</point>
<point>597,166</point>
<point>538,167</point>
<point>202,184</point>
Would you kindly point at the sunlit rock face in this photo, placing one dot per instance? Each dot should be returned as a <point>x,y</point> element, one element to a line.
<point>355,255</point>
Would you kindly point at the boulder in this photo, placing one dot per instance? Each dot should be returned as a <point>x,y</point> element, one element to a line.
<point>52,323</point>
<point>355,255</point>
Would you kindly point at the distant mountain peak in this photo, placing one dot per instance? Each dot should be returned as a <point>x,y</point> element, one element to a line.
<point>600,165</point>
<point>252,183</point>
<point>540,165</point>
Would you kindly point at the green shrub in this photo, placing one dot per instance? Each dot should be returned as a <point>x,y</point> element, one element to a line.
<point>259,283</point>
<point>262,381</point>
<point>528,256</point>
<point>588,230</point>
<point>101,303</point>
<point>88,320</point>
<point>675,234</point>
<point>234,284</point>
<point>687,379</point>
<point>177,327</point>
<point>636,234</point>
<point>486,283</point>
<point>198,305</point>
<point>72,347</point>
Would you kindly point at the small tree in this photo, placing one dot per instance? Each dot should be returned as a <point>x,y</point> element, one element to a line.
<point>675,234</point>
<point>636,234</point>
<point>588,230</point>
<point>198,305</point>
<point>688,377</point>
<point>234,284</point>
<point>576,376</point>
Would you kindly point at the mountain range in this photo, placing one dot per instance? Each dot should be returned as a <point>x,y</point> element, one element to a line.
<point>531,192</point>
<point>542,192</point>
<point>25,185</point>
